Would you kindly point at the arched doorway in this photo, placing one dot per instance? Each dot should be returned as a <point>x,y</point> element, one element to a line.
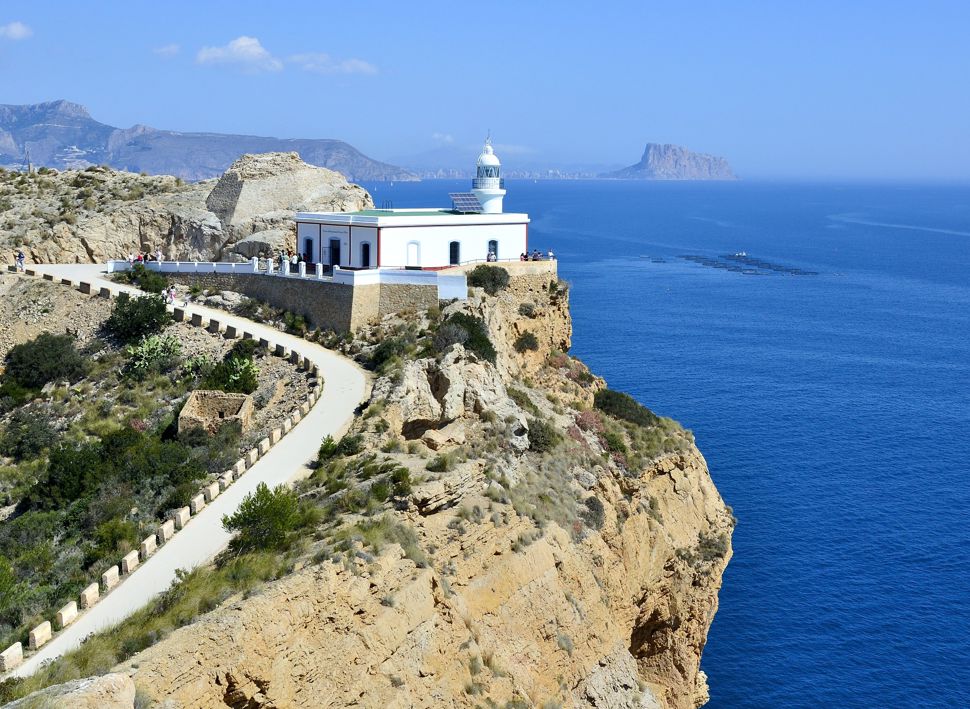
<point>414,255</point>
<point>365,255</point>
<point>454,253</point>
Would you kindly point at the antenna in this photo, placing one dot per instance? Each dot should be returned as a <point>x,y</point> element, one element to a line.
<point>29,165</point>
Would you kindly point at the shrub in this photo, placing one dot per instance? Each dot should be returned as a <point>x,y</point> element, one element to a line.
<point>26,435</point>
<point>45,358</point>
<point>150,281</point>
<point>589,421</point>
<point>477,335</point>
<point>614,442</point>
<point>266,520</point>
<point>154,354</point>
<point>328,449</point>
<point>526,342</point>
<point>595,514</point>
<point>543,436</point>
<point>388,349</point>
<point>491,278</point>
<point>242,349</point>
<point>135,318</point>
<point>441,463</point>
<point>623,406</point>
<point>234,375</point>
<point>350,445</point>
<point>527,310</point>
<point>449,334</point>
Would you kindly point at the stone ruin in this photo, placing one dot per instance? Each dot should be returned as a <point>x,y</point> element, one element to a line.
<point>209,410</point>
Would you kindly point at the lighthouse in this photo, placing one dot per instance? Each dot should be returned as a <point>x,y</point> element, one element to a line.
<point>488,184</point>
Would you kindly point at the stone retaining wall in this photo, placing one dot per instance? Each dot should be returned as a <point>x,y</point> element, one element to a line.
<point>335,306</point>
<point>13,656</point>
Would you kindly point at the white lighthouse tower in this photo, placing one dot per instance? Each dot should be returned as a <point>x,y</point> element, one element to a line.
<point>488,184</point>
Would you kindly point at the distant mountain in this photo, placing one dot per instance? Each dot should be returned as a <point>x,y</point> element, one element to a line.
<point>673,162</point>
<point>63,135</point>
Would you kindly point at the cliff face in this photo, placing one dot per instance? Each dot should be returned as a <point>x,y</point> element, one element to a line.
<point>536,573</point>
<point>673,162</point>
<point>93,215</point>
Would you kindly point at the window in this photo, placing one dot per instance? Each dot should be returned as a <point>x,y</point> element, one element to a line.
<point>454,253</point>
<point>365,255</point>
<point>493,250</point>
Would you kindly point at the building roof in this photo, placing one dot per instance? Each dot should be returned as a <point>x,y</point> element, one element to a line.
<point>409,217</point>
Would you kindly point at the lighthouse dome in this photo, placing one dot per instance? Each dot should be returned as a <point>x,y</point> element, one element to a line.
<point>488,158</point>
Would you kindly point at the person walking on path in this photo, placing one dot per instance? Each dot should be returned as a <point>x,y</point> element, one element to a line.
<point>20,260</point>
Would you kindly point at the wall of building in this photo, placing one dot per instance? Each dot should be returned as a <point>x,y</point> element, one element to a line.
<point>324,304</point>
<point>351,240</point>
<point>433,243</point>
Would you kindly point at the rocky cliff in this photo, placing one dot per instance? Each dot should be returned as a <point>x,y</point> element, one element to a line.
<point>673,162</point>
<point>545,552</point>
<point>97,214</point>
<point>63,135</point>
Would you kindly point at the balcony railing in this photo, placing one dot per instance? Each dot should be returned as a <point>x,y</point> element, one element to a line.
<point>485,183</point>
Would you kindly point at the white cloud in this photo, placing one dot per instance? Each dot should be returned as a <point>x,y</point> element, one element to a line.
<point>15,30</point>
<point>168,50</point>
<point>244,52</point>
<point>321,63</point>
<point>443,137</point>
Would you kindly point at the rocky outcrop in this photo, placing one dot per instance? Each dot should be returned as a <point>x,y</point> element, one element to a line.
<point>98,214</point>
<point>112,691</point>
<point>673,162</point>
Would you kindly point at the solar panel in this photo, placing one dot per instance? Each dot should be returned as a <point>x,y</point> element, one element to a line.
<point>465,202</point>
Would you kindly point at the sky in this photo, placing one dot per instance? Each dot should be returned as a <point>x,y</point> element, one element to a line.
<point>782,89</point>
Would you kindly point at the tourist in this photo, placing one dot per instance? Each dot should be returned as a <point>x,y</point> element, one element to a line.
<point>293,262</point>
<point>20,260</point>
<point>491,257</point>
<point>131,258</point>
<point>551,256</point>
<point>523,257</point>
<point>171,295</point>
<point>158,256</point>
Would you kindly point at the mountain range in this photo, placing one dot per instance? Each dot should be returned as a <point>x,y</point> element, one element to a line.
<point>63,135</point>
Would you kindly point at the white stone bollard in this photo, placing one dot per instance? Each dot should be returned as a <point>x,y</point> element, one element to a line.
<point>90,596</point>
<point>129,562</point>
<point>66,615</point>
<point>287,425</point>
<point>181,517</point>
<point>225,480</point>
<point>305,408</point>
<point>296,416</point>
<point>240,467</point>
<point>109,579</point>
<point>311,398</point>
<point>264,446</point>
<point>319,270</point>
<point>148,547</point>
<point>211,491</point>
<point>255,262</point>
<point>252,456</point>
<point>197,503</point>
<point>275,435</point>
<point>40,635</point>
<point>166,530</point>
<point>301,269</point>
<point>11,657</point>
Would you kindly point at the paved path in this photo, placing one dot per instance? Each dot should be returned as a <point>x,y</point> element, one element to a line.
<point>203,537</point>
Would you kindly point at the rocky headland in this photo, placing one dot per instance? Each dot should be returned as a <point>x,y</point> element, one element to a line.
<point>673,162</point>
<point>497,528</point>
<point>96,214</point>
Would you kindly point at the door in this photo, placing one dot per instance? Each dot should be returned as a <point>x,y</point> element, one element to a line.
<point>454,253</point>
<point>413,259</point>
<point>308,254</point>
<point>493,250</point>
<point>335,252</point>
<point>365,255</point>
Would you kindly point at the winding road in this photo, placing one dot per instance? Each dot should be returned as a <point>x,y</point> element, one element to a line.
<point>345,385</point>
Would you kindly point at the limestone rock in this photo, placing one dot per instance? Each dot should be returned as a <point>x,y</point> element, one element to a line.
<point>111,691</point>
<point>673,162</point>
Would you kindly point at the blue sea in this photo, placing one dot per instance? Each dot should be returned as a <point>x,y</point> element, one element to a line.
<point>833,409</point>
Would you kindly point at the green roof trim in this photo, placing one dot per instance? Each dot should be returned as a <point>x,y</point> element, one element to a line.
<point>415,213</point>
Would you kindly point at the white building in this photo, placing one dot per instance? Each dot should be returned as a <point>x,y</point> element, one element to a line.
<point>474,229</point>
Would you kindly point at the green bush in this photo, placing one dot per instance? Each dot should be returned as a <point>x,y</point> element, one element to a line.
<point>154,354</point>
<point>526,342</point>
<point>44,359</point>
<point>543,436</point>
<point>475,335</point>
<point>491,278</point>
<point>26,435</point>
<point>149,281</point>
<point>614,442</point>
<point>389,348</point>
<point>242,349</point>
<point>135,318</point>
<point>527,310</point>
<point>350,445</point>
<point>595,514</point>
<point>623,406</point>
<point>234,375</point>
<point>266,520</point>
